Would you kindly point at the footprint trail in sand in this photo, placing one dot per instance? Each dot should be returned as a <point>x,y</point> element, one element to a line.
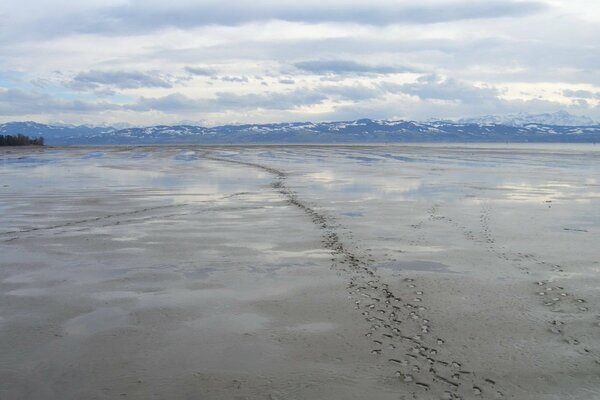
<point>400,333</point>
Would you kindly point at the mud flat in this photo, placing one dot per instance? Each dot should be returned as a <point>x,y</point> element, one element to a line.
<point>396,272</point>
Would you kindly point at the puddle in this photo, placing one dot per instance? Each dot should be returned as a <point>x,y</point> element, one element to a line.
<point>138,156</point>
<point>98,320</point>
<point>26,161</point>
<point>226,153</point>
<point>94,154</point>
<point>314,327</point>
<point>353,214</point>
<point>266,154</point>
<point>203,273</point>
<point>399,158</point>
<point>20,278</point>
<point>416,265</point>
<point>363,159</point>
<point>116,295</point>
<point>28,292</point>
<point>228,323</point>
<point>186,156</point>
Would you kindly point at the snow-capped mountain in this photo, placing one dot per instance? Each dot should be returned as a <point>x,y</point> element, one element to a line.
<point>358,131</point>
<point>559,118</point>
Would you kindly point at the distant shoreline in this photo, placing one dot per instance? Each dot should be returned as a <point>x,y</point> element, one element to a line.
<point>20,140</point>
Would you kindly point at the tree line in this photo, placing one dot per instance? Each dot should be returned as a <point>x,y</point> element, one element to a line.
<point>20,140</point>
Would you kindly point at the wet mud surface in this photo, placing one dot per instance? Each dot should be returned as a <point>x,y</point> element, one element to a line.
<point>305,272</point>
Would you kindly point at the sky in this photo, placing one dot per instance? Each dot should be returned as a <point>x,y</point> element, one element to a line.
<point>212,62</point>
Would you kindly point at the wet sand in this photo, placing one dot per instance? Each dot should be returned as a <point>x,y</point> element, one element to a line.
<point>298,272</point>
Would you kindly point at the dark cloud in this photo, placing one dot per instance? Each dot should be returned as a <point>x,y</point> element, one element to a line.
<point>141,15</point>
<point>138,16</point>
<point>346,67</point>
<point>200,71</point>
<point>238,79</point>
<point>117,79</point>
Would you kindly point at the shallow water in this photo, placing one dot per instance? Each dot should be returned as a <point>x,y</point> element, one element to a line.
<point>415,265</point>
<point>210,270</point>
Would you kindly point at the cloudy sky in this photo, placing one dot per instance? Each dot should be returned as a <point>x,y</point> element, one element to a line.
<point>213,62</point>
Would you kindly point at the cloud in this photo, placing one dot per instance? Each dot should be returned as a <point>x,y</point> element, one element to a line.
<point>432,87</point>
<point>374,13</point>
<point>117,79</point>
<point>310,59</point>
<point>286,100</point>
<point>175,102</point>
<point>326,102</point>
<point>15,102</point>
<point>136,16</point>
<point>200,71</point>
<point>353,93</point>
<point>237,79</point>
<point>581,94</point>
<point>347,67</point>
<point>225,101</point>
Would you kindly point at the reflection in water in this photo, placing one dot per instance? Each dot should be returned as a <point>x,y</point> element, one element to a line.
<point>206,264</point>
<point>25,161</point>
<point>94,154</point>
<point>139,155</point>
<point>416,265</point>
<point>354,214</point>
<point>101,319</point>
<point>215,324</point>
<point>186,156</point>
<point>314,327</point>
<point>28,292</point>
<point>448,174</point>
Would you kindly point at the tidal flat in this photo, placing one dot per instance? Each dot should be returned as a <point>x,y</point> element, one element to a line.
<point>300,272</point>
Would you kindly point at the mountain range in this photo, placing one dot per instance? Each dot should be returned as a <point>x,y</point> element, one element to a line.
<point>561,118</point>
<point>557,127</point>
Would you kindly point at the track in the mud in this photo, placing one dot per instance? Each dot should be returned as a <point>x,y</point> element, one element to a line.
<point>400,332</point>
<point>551,292</point>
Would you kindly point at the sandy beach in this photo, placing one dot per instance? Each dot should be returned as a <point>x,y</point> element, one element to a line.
<point>300,272</point>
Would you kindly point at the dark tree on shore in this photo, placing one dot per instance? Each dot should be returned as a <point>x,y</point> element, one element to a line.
<point>20,140</point>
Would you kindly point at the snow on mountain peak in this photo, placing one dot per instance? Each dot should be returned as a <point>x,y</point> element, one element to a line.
<point>559,118</point>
